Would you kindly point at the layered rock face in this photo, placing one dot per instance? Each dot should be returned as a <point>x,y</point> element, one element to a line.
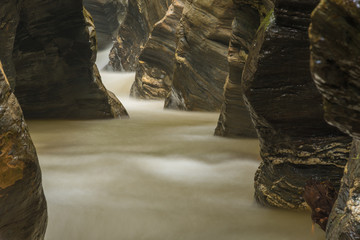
<point>235,118</point>
<point>335,26</point>
<point>134,31</point>
<point>296,143</point>
<point>54,56</point>
<point>201,56</point>
<point>107,15</point>
<point>22,202</point>
<point>156,62</point>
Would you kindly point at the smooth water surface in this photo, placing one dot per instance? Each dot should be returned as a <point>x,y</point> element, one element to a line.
<point>160,175</point>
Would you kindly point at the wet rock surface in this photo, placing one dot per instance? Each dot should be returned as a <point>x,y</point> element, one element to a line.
<point>22,202</point>
<point>138,23</point>
<point>335,26</point>
<point>156,62</point>
<point>107,15</point>
<point>201,56</point>
<point>296,143</point>
<point>54,57</point>
<point>235,118</point>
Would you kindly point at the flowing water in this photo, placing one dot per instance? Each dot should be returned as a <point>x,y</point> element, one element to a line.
<point>160,175</point>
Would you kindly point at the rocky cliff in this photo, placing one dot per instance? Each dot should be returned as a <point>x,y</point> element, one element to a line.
<point>157,59</point>
<point>22,202</point>
<point>54,58</point>
<point>138,23</point>
<point>107,15</point>
<point>296,143</point>
<point>335,26</point>
<point>234,120</point>
<point>201,56</point>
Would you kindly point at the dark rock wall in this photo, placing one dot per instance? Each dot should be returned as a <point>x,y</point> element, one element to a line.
<point>235,118</point>
<point>22,202</point>
<point>139,21</point>
<point>107,15</point>
<point>296,143</point>
<point>156,62</point>
<point>54,56</point>
<point>201,56</point>
<point>335,51</point>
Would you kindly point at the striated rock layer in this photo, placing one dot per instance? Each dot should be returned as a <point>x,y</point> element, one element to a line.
<point>296,143</point>
<point>107,15</point>
<point>54,56</point>
<point>139,21</point>
<point>22,202</point>
<point>234,120</point>
<point>336,26</point>
<point>201,56</point>
<point>156,62</point>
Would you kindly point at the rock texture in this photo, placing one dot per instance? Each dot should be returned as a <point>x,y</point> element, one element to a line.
<point>335,27</point>
<point>54,56</point>
<point>234,120</point>
<point>107,15</point>
<point>156,62</point>
<point>201,56</point>
<point>22,202</point>
<point>134,31</point>
<point>296,143</point>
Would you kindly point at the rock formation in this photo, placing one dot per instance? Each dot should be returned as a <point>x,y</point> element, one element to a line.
<point>22,202</point>
<point>296,143</point>
<point>201,56</point>
<point>134,31</point>
<point>156,62</point>
<point>107,15</point>
<point>54,57</point>
<point>235,119</point>
<point>335,51</point>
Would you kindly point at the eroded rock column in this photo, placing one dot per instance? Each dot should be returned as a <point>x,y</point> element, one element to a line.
<point>54,56</point>
<point>335,51</point>
<point>139,21</point>
<point>201,56</point>
<point>157,60</point>
<point>22,202</point>
<point>296,143</point>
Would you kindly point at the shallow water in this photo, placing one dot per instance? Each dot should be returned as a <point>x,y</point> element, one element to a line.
<point>161,175</point>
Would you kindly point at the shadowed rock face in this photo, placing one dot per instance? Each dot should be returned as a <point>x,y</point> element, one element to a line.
<point>107,15</point>
<point>54,57</point>
<point>22,202</point>
<point>235,119</point>
<point>335,51</point>
<point>139,21</point>
<point>296,143</point>
<point>156,62</point>
<point>201,56</point>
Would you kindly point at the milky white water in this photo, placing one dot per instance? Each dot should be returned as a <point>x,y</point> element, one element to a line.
<point>161,175</point>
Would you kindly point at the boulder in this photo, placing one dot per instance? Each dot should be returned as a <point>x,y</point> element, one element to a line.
<point>107,15</point>
<point>22,203</point>
<point>297,145</point>
<point>335,51</point>
<point>157,59</point>
<point>54,56</point>
<point>201,56</point>
<point>134,31</point>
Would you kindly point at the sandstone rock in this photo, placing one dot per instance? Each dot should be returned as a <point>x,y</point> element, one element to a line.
<point>335,52</point>
<point>134,31</point>
<point>54,56</point>
<point>235,118</point>
<point>22,202</point>
<point>296,143</point>
<point>201,56</point>
<point>156,62</point>
<point>107,15</point>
